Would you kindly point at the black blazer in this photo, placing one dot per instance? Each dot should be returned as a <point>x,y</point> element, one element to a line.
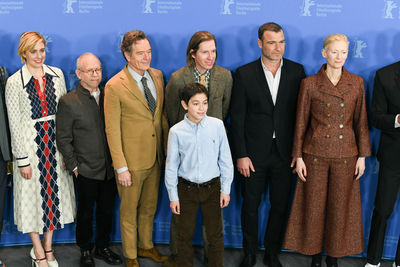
<point>385,107</point>
<point>80,134</point>
<point>254,117</point>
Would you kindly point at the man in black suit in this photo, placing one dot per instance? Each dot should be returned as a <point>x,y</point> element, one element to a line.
<point>263,108</point>
<point>385,113</point>
<point>5,151</point>
<point>82,141</point>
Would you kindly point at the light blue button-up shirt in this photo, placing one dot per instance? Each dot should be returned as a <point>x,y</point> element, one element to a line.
<point>198,153</point>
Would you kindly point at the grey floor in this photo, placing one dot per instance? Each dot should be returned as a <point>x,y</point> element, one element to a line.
<point>68,255</point>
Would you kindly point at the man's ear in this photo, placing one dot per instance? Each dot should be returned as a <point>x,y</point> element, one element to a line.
<point>184,105</point>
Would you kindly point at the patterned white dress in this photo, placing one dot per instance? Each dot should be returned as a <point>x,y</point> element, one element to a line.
<point>46,201</point>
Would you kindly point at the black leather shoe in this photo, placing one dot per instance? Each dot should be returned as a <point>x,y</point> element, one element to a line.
<point>249,260</point>
<point>86,259</point>
<point>271,260</point>
<point>108,256</point>
<point>316,260</point>
<point>331,262</point>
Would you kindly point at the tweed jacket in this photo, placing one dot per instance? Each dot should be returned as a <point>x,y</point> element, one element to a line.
<point>385,107</point>
<point>219,88</point>
<point>135,137</point>
<point>331,120</point>
<point>81,136</point>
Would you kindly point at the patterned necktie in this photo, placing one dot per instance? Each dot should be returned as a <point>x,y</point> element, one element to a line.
<point>149,96</point>
<point>203,80</point>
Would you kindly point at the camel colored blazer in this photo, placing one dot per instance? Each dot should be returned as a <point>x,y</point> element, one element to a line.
<point>331,120</point>
<point>135,138</point>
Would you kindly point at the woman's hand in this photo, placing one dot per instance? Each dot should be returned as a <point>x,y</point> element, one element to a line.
<point>301,169</point>
<point>360,167</point>
<point>26,172</point>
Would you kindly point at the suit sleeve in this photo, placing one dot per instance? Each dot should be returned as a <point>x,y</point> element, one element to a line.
<point>16,124</point>
<point>112,117</point>
<point>380,118</point>
<point>226,100</point>
<point>360,123</point>
<point>172,100</point>
<point>238,117</point>
<point>302,118</point>
<point>64,134</point>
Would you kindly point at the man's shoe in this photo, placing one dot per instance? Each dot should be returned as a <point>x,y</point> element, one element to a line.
<point>394,264</point>
<point>107,255</point>
<point>172,261</point>
<point>132,263</point>
<point>316,260</point>
<point>377,265</point>
<point>86,259</point>
<point>249,260</point>
<point>152,254</point>
<point>271,260</point>
<point>2,264</point>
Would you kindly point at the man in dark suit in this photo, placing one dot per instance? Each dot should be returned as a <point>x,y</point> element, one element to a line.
<point>385,113</point>
<point>81,139</point>
<point>5,152</point>
<point>263,108</point>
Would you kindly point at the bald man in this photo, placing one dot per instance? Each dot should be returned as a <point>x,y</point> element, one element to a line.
<point>82,141</point>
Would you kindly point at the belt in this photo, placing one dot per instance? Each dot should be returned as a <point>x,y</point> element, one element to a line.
<point>205,184</point>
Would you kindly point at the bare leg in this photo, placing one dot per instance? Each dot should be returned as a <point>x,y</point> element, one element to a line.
<point>47,245</point>
<point>38,248</point>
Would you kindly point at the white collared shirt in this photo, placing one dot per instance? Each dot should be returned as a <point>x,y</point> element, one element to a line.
<point>150,83</point>
<point>96,95</point>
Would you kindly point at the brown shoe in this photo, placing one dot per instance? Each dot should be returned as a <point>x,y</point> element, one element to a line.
<point>172,261</point>
<point>152,254</point>
<point>132,263</point>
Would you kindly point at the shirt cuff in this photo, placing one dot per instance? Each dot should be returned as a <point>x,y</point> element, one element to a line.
<point>396,124</point>
<point>173,195</point>
<point>226,188</point>
<point>121,170</point>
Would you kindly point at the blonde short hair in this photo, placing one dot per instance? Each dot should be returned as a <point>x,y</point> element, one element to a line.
<point>335,37</point>
<point>27,42</point>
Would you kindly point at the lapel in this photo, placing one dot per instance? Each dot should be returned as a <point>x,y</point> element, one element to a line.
<point>213,83</point>
<point>282,83</point>
<point>325,86</point>
<point>262,81</point>
<point>397,76</point>
<point>130,84</point>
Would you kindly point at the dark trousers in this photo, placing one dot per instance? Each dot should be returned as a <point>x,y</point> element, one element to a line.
<point>101,193</point>
<point>209,200</point>
<point>276,173</point>
<point>386,195</point>
<point>3,186</point>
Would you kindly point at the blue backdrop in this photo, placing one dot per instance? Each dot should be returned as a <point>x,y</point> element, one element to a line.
<point>73,27</point>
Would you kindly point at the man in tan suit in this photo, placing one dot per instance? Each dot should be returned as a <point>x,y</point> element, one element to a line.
<point>136,130</point>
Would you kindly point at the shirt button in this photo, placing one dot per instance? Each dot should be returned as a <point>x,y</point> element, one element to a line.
<point>342,104</point>
<point>315,159</point>
<point>329,126</point>
<point>328,105</point>
<point>327,136</point>
<point>329,115</point>
<point>340,136</point>
<point>345,161</point>
<point>153,135</point>
<point>341,126</point>
<point>341,115</point>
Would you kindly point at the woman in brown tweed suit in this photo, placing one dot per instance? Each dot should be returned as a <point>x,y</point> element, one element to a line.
<point>330,145</point>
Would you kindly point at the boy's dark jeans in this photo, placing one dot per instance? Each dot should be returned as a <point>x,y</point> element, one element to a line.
<point>190,197</point>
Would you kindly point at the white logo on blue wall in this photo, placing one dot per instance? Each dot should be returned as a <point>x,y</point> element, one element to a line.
<point>120,38</point>
<point>147,6</point>
<point>48,40</point>
<point>68,6</point>
<point>388,9</point>
<point>359,45</point>
<point>226,7</point>
<point>305,9</point>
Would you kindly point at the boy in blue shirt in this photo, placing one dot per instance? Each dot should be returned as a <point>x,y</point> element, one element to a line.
<point>199,171</point>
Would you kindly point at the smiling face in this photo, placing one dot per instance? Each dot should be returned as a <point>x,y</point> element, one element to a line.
<point>139,58</point>
<point>336,54</point>
<point>89,72</point>
<point>205,56</point>
<point>35,57</point>
<point>272,46</point>
<point>196,107</point>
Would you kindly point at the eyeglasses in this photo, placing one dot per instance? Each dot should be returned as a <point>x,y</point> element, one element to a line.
<point>92,71</point>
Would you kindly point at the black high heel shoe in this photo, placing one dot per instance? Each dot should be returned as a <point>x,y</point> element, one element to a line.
<point>331,262</point>
<point>316,260</point>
